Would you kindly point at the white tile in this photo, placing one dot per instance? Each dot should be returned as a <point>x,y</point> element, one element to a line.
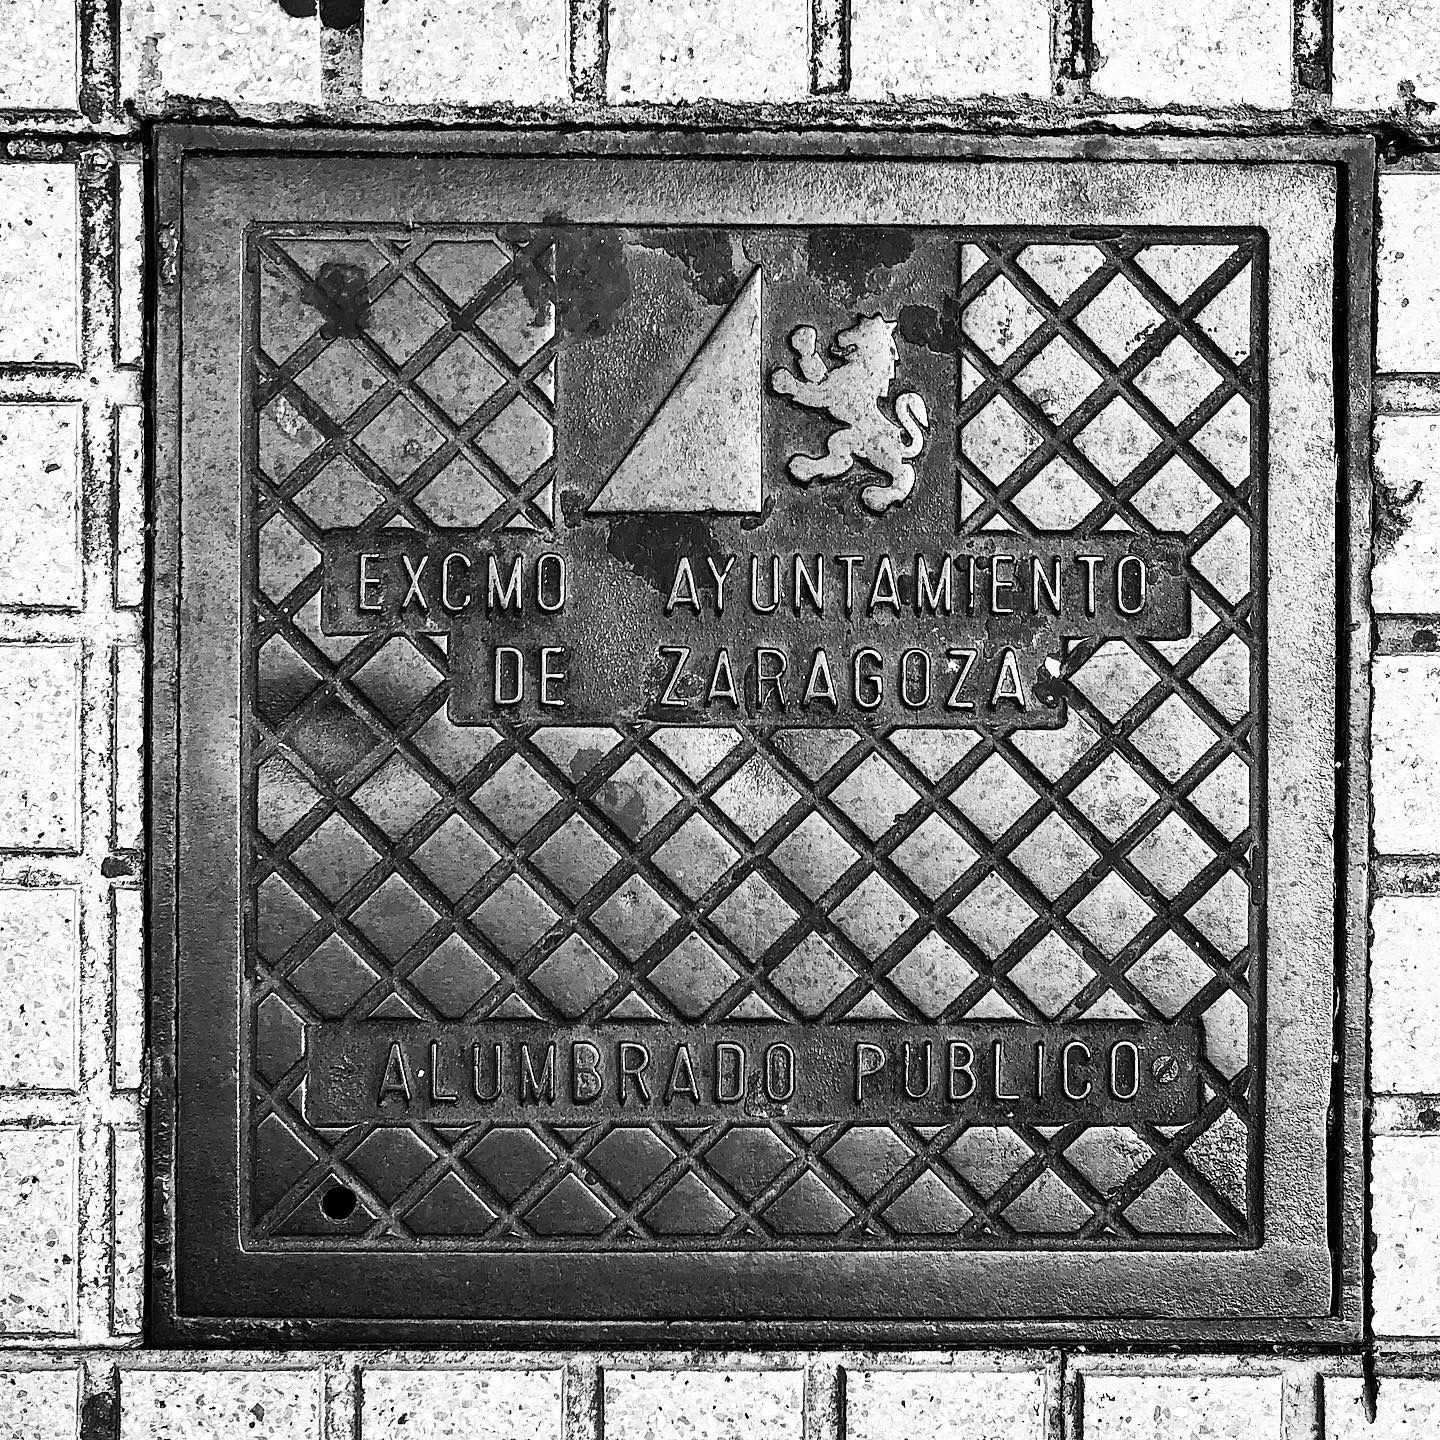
<point>468,52</point>
<point>1405,1225</point>
<point>461,1404</point>
<point>1407,321</point>
<point>39,1404</point>
<point>1175,52</point>
<point>40,520</point>
<point>248,52</point>
<point>1384,49</point>
<point>244,1404</point>
<point>1405,767</point>
<point>1191,1407</point>
<point>677,50</point>
<point>949,48</point>
<point>944,1405</point>
<point>703,1404</point>
<point>39,264</point>
<point>39,721</point>
<point>39,980</point>
<point>37,1262</point>
<point>39,55</point>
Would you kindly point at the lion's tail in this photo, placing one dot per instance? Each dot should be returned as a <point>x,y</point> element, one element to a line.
<point>911,412</point>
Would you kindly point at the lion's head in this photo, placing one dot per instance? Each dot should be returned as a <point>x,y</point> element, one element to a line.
<point>870,344</point>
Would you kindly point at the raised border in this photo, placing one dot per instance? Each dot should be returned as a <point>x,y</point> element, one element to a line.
<point>1354,166</point>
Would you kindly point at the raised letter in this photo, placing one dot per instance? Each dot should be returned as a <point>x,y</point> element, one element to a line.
<point>634,1058</point>
<point>1071,1093</point>
<point>682,1076</point>
<point>414,591</point>
<point>550,676</point>
<point>447,600</point>
<point>537,1087</point>
<point>764,675</point>
<point>585,1081</point>
<point>680,653</point>
<point>396,1080</point>
<point>820,685</point>
<point>869,1060</point>
<point>366,580</point>
<point>548,560</point>
<point>874,691</point>
<point>438,1094</point>
<point>509,653</point>
<point>682,588</point>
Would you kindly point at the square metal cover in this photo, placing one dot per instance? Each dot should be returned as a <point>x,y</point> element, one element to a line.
<point>747,740</point>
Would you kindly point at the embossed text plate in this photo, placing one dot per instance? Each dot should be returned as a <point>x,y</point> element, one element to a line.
<point>746,741</point>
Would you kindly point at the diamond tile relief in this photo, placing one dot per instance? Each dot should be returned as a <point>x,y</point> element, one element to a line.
<point>405,867</point>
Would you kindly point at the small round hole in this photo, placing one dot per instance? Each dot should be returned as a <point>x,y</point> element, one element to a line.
<point>339,1202</point>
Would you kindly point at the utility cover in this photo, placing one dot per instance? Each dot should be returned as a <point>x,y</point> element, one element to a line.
<point>751,742</point>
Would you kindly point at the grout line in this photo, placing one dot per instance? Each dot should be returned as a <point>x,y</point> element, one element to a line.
<point>581,1399</point>
<point>829,47</point>
<point>1405,875</point>
<point>342,46</point>
<point>1407,634</point>
<point>822,1404</point>
<point>1409,1114</point>
<point>1053,1404</point>
<point>1071,33</point>
<point>1300,1402</point>
<point>589,50</point>
<point>1312,75</point>
<point>1407,394</point>
<point>340,1399</point>
<point>1073,1404</point>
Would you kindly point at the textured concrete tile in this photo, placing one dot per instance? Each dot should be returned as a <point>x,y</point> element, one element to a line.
<point>676,50</point>
<point>39,976</point>
<point>129,303</point>
<point>466,51</point>
<point>39,55</point>
<point>949,48</point>
<point>39,266</point>
<point>1404,1025</point>
<point>249,52</point>
<point>1195,1407</point>
<point>942,1405</point>
<point>1406,576</point>
<point>129,748</point>
<point>39,1404</point>
<point>39,720</point>
<point>460,1404</point>
<point>129,506</point>
<point>128,908</point>
<point>1228,52</point>
<point>127,1265</point>
<point>1405,767</point>
<point>702,1405</point>
<point>40,521</point>
<point>1386,51</point>
<point>1404,1410</point>
<point>37,1199</point>
<point>245,1404</point>
<point>1407,321</point>
<point>1405,1224</point>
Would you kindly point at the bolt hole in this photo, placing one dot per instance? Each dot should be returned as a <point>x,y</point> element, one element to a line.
<point>339,1202</point>
<point>1428,1119</point>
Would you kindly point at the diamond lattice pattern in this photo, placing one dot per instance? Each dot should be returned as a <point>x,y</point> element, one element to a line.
<point>400,866</point>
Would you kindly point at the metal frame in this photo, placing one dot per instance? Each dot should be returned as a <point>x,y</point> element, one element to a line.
<point>1353,164</point>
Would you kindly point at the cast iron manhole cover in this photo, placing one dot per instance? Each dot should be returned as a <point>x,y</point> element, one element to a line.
<point>751,740</point>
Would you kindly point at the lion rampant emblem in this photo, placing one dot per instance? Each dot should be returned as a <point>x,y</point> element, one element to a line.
<point>852,393</point>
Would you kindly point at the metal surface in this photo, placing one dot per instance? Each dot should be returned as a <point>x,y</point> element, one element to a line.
<point>1040,467</point>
